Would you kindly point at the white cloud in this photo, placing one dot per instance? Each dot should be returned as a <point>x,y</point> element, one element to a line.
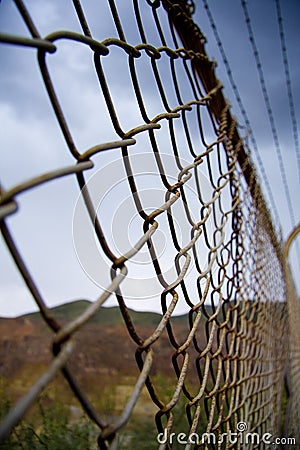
<point>15,300</point>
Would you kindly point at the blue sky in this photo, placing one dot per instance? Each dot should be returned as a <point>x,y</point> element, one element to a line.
<point>31,142</point>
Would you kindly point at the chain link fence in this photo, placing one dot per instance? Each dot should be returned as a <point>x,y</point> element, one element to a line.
<point>221,260</point>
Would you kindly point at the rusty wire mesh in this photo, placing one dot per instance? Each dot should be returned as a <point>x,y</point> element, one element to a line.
<point>228,267</point>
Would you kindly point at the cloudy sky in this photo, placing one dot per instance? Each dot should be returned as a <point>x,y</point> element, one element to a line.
<point>50,218</point>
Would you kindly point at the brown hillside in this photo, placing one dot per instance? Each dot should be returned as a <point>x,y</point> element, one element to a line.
<point>104,356</point>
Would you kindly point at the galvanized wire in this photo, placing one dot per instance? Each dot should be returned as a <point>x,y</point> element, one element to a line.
<point>237,325</point>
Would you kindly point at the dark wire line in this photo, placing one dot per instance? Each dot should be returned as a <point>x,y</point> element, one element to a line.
<point>288,84</point>
<point>290,97</point>
<point>243,111</point>
<point>270,112</point>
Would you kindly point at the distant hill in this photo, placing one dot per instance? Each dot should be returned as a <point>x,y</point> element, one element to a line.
<point>104,354</point>
<point>103,359</point>
<point>105,315</point>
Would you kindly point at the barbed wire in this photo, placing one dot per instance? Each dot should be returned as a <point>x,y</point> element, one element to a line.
<point>270,113</point>
<point>228,267</point>
<point>288,83</point>
<point>243,112</point>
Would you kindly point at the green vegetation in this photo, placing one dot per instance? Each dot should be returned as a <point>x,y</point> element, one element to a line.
<point>49,429</point>
<point>51,426</point>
